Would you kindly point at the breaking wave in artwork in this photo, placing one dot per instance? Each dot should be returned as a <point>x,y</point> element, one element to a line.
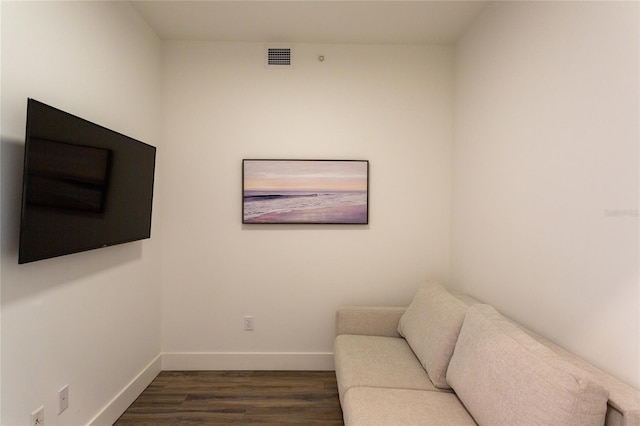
<point>259,203</point>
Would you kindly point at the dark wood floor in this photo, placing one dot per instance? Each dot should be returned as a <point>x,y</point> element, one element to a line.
<point>237,397</point>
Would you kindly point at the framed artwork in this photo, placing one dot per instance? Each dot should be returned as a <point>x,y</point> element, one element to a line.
<point>305,191</point>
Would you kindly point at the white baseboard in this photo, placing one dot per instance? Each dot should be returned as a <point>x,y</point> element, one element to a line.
<point>118,405</point>
<point>320,361</point>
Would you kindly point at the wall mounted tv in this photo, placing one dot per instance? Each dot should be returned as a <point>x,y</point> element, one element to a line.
<point>84,186</point>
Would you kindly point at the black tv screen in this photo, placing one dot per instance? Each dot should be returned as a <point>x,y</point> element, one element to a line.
<point>84,186</point>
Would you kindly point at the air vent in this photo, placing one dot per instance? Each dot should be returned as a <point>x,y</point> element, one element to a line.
<point>279,57</point>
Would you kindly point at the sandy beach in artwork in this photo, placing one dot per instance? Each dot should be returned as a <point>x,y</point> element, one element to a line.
<point>337,214</point>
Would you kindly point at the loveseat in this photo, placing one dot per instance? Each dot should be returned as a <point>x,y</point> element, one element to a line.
<point>449,360</point>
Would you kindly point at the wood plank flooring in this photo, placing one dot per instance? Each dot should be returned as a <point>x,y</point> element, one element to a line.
<point>237,397</point>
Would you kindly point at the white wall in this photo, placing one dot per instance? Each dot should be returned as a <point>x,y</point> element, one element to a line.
<point>90,320</point>
<point>391,105</point>
<point>545,186</point>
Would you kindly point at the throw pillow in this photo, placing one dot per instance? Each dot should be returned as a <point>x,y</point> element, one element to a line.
<point>505,377</point>
<point>431,325</point>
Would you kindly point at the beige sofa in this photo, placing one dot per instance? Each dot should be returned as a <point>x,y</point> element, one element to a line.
<point>449,360</point>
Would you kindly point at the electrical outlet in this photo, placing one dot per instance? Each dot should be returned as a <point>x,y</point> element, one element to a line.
<point>248,323</point>
<point>37,417</point>
<point>63,399</point>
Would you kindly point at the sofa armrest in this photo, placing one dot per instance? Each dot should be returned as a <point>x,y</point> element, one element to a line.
<point>368,320</point>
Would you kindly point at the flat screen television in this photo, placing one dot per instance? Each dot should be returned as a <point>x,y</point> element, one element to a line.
<point>84,186</point>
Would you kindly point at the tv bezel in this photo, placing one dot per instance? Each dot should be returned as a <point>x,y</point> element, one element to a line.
<point>114,137</point>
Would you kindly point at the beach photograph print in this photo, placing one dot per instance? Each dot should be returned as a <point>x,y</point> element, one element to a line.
<point>305,191</point>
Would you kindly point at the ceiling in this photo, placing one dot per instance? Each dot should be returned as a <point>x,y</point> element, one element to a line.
<point>311,21</point>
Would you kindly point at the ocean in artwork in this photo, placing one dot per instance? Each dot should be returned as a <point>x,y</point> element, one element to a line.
<point>305,206</point>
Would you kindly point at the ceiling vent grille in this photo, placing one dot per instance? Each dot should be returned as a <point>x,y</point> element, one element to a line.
<point>279,57</point>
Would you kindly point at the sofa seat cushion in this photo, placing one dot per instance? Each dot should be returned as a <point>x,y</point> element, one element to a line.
<point>505,377</point>
<point>431,325</point>
<point>377,361</point>
<point>379,406</point>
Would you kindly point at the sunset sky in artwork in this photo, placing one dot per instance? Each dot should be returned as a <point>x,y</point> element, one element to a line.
<point>270,175</point>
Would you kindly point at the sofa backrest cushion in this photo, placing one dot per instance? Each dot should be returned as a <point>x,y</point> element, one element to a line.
<point>505,377</point>
<point>431,325</point>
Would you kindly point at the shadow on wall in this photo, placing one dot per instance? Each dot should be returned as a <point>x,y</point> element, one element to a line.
<point>26,280</point>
